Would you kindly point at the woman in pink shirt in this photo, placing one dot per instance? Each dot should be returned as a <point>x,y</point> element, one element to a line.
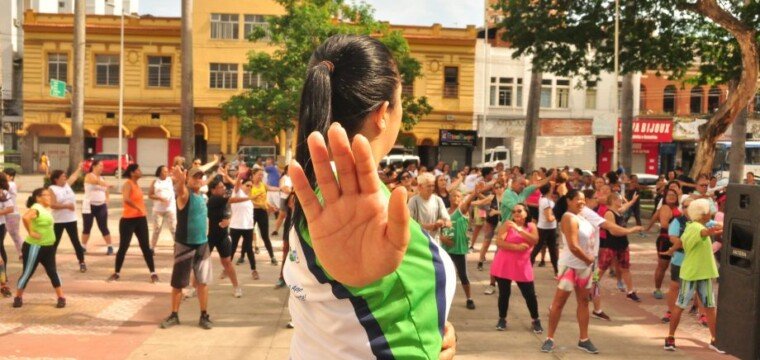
<point>512,262</point>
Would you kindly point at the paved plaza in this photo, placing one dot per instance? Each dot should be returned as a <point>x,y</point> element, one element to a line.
<point>120,320</point>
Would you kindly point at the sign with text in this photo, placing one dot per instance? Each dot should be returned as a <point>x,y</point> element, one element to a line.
<point>57,88</point>
<point>651,130</point>
<point>457,137</point>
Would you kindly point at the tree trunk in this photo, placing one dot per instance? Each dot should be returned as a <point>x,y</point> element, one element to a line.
<point>737,154</point>
<point>626,124</point>
<point>531,122</point>
<point>76,142</point>
<point>186,104</point>
<point>738,99</point>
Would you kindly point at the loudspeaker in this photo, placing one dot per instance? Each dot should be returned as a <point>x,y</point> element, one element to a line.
<point>738,325</point>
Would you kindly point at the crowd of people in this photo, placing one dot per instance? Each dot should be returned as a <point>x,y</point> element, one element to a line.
<point>205,207</point>
<point>584,215</point>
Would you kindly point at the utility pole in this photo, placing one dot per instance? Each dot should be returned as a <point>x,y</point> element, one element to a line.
<point>486,86</point>
<point>186,102</point>
<point>76,145</point>
<point>616,97</point>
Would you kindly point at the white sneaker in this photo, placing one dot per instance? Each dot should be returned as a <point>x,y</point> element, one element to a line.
<point>490,290</point>
<point>238,292</point>
<point>190,293</point>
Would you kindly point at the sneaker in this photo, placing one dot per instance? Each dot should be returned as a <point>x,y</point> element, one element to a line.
<point>274,233</point>
<point>83,267</point>
<point>279,284</point>
<point>632,295</point>
<point>255,275</point>
<point>600,315</point>
<point>240,261</point>
<point>714,347</point>
<point>61,303</point>
<point>170,321</point>
<point>153,278</point>
<point>190,293</point>
<point>290,325</point>
<point>114,277</point>
<point>470,304</point>
<point>621,285</point>
<point>109,251</point>
<point>536,325</point>
<point>490,290</point>
<point>588,347</point>
<point>547,346</point>
<point>541,263</point>
<point>274,262</point>
<point>205,322</point>
<point>480,266</point>
<point>670,343</point>
<point>703,320</point>
<point>17,302</point>
<point>501,325</point>
<point>658,294</point>
<point>238,292</point>
<point>666,319</point>
<point>6,292</point>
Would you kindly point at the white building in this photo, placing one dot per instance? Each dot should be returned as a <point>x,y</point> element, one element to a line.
<point>573,115</point>
<point>94,7</point>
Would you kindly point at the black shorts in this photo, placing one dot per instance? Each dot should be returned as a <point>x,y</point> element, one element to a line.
<point>222,244</point>
<point>532,213</point>
<point>663,244</point>
<point>675,273</point>
<point>187,259</point>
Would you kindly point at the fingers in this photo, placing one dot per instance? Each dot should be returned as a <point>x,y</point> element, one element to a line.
<point>309,202</point>
<point>397,231</point>
<point>320,160</point>
<point>344,159</point>
<point>366,168</point>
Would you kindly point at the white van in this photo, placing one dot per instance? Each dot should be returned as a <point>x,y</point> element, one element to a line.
<point>499,154</point>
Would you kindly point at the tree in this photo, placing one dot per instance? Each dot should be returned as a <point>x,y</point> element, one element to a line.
<point>728,50</point>
<point>76,142</point>
<point>186,106</point>
<point>576,39</point>
<point>265,111</point>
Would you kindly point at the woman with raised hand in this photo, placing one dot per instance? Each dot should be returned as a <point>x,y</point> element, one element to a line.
<point>64,205</point>
<point>95,205</point>
<point>352,239</point>
<point>164,205</point>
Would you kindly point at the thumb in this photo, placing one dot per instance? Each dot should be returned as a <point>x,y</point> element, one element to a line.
<point>397,230</point>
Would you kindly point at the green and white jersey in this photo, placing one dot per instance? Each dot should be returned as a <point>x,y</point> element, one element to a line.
<point>400,316</point>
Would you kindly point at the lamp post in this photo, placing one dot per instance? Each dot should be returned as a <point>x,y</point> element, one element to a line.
<point>616,91</point>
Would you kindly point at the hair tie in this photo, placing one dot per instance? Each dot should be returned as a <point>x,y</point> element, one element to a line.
<point>330,66</point>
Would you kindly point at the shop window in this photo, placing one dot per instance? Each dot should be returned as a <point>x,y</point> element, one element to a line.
<point>695,100</point>
<point>669,99</point>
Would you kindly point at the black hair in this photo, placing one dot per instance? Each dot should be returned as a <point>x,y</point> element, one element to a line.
<point>578,171</point>
<point>545,189</point>
<point>94,164</point>
<point>130,169</point>
<point>486,171</point>
<point>33,198</point>
<point>348,78</point>
<point>10,172</point>
<point>572,193</point>
<point>214,183</point>
<point>612,177</point>
<point>159,169</point>
<point>55,175</point>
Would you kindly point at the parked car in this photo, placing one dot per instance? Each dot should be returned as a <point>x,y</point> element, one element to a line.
<point>109,162</point>
<point>251,153</point>
<point>499,154</point>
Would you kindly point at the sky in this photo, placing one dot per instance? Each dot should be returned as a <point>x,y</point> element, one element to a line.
<point>449,13</point>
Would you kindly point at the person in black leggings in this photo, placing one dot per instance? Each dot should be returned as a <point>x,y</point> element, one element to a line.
<point>260,215</point>
<point>64,211</point>
<point>547,227</point>
<point>6,207</point>
<point>290,202</point>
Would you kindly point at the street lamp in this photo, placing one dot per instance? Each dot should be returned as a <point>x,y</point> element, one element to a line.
<point>616,99</point>
<point>121,91</point>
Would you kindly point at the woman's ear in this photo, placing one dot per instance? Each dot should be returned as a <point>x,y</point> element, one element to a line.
<point>380,117</point>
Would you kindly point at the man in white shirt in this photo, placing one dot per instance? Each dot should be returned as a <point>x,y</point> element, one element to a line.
<point>427,208</point>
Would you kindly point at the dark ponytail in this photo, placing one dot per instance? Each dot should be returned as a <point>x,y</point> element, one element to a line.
<point>348,78</point>
<point>33,198</point>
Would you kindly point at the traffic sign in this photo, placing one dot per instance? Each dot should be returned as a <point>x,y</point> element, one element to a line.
<point>57,88</point>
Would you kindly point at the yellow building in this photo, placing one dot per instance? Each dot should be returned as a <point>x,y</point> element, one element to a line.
<point>152,82</point>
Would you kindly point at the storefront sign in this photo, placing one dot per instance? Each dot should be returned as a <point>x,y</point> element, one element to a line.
<point>565,127</point>
<point>457,137</point>
<point>686,129</point>
<point>651,130</point>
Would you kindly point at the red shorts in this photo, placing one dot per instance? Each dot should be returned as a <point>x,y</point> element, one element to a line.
<point>606,255</point>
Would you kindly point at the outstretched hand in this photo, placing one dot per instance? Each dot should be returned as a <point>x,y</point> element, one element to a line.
<point>357,234</point>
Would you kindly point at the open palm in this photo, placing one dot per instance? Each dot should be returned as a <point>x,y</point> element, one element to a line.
<point>357,234</point>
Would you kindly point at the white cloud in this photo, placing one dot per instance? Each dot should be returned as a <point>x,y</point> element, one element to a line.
<point>459,13</point>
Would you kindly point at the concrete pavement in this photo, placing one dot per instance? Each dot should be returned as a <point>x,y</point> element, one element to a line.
<point>120,320</point>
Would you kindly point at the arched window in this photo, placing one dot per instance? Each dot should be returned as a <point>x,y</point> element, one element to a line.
<point>669,99</point>
<point>695,101</point>
<point>713,99</point>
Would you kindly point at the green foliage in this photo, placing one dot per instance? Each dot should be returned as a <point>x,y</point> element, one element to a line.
<point>265,111</point>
